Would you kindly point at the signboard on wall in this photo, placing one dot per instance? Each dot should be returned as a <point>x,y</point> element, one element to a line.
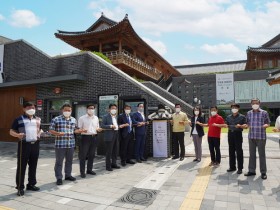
<point>224,89</point>
<point>246,90</point>
<point>104,102</point>
<point>160,138</point>
<point>1,62</point>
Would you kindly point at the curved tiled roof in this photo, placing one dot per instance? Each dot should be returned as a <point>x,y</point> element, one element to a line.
<point>263,49</point>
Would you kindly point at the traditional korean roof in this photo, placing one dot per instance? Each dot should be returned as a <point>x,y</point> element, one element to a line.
<point>206,68</point>
<point>274,77</point>
<point>263,49</point>
<point>4,40</point>
<point>107,29</point>
<point>272,42</point>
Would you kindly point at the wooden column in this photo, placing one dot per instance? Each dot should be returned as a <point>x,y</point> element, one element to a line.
<point>100,46</point>
<point>120,45</point>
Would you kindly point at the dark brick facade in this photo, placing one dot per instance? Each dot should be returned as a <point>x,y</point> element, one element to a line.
<point>24,62</point>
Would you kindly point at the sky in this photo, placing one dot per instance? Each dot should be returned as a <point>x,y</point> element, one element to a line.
<point>184,32</point>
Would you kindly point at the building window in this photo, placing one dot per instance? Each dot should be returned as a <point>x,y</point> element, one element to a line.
<point>267,64</point>
<point>187,91</point>
<point>179,87</point>
<point>179,91</point>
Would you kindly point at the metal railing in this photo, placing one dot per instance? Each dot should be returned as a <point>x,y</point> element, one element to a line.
<point>118,57</point>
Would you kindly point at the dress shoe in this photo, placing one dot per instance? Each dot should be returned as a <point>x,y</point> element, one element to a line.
<point>32,188</point>
<point>123,164</point>
<point>264,176</point>
<point>231,169</point>
<point>130,162</point>
<point>91,172</point>
<point>175,157</point>
<point>138,161</point>
<point>250,174</point>
<point>59,182</point>
<point>115,166</point>
<point>109,169</point>
<point>70,178</point>
<point>143,159</point>
<point>211,164</point>
<point>239,171</point>
<point>195,159</point>
<point>182,158</point>
<point>20,192</point>
<point>83,175</point>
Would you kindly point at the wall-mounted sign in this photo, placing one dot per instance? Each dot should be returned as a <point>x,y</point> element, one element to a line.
<point>104,102</point>
<point>225,89</point>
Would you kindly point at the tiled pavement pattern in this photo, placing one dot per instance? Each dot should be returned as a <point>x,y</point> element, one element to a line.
<point>171,179</point>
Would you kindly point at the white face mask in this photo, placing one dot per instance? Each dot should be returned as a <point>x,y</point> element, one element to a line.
<point>255,106</point>
<point>30,112</point>
<point>90,111</point>
<point>141,109</point>
<point>234,111</point>
<point>213,113</point>
<point>196,113</point>
<point>177,109</point>
<point>113,111</point>
<point>127,111</point>
<point>67,114</point>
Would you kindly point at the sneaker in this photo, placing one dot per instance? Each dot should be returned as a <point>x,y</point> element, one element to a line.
<point>32,188</point>
<point>216,164</point>
<point>70,178</point>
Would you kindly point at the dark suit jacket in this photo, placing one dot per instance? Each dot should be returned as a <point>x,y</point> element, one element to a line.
<point>106,123</point>
<point>138,118</point>
<point>122,119</point>
<point>199,128</point>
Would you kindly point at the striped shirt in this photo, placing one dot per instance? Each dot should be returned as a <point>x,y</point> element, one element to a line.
<point>255,121</point>
<point>68,126</point>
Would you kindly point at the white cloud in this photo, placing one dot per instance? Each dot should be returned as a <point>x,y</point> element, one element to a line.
<point>2,17</point>
<point>157,46</point>
<point>24,19</point>
<point>227,51</point>
<point>212,18</point>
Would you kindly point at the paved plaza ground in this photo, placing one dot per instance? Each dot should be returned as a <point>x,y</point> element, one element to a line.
<point>157,184</point>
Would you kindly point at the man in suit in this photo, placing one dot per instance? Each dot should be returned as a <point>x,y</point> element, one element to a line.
<point>125,121</point>
<point>111,127</point>
<point>140,133</point>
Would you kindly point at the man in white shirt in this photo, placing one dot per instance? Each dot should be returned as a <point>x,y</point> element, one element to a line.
<point>90,123</point>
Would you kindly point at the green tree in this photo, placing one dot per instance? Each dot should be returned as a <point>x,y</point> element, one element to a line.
<point>101,55</point>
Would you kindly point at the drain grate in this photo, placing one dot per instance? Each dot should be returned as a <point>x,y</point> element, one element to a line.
<point>139,196</point>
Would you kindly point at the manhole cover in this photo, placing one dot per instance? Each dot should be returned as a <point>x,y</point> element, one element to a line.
<point>240,182</point>
<point>139,196</point>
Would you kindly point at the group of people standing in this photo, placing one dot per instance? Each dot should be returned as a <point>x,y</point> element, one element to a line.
<point>27,128</point>
<point>257,120</point>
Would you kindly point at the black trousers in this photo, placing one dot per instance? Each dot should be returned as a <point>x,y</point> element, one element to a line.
<point>29,155</point>
<point>87,147</point>
<point>111,151</point>
<point>214,147</point>
<point>178,139</point>
<point>126,149</point>
<point>235,141</point>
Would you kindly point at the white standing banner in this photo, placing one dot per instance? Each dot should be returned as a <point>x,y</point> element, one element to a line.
<point>224,89</point>
<point>160,138</point>
<point>1,61</point>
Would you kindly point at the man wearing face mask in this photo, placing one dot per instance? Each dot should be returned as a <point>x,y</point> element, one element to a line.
<point>179,122</point>
<point>235,124</point>
<point>111,128</point>
<point>215,123</point>
<point>27,129</point>
<point>257,121</point>
<point>90,123</point>
<point>63,127</point>
<point>140,133</point>
<point>125,121</point>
